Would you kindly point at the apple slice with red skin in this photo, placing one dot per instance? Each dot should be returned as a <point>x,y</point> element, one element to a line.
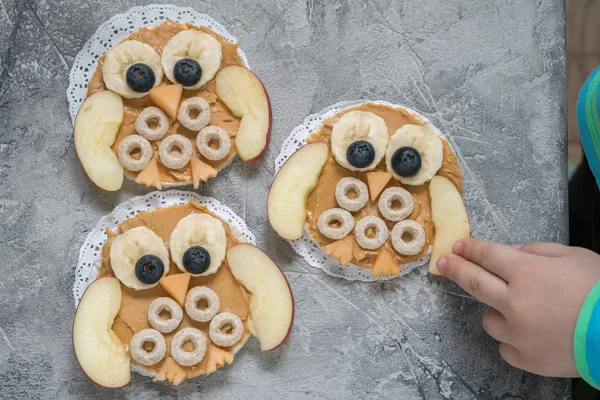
<point>286,204</point>
<point>98,350</point>
<point>245,95</point>
<point>272,304</point>
<point>96,126</point>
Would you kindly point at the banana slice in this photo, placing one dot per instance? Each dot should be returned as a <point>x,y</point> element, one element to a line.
<point>129,247</point>
<point>426,143</point>
<point>199,230</point>
<point>120,58</point>
<point>198,46</point>
<point>348,139</point>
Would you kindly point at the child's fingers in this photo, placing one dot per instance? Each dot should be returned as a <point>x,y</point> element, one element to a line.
<point>495,324</point>
<point>475,280</point>
<point>499,259</point>
<point>551,249</point>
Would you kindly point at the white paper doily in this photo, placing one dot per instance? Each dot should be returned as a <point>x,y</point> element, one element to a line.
<point>115,29</point>
<point>305,246</point>
<point>90,255</point>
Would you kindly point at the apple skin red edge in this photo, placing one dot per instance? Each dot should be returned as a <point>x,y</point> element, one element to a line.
<point>291,295</point>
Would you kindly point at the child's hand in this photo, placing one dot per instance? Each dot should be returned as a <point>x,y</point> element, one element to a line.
<point>536,292</point>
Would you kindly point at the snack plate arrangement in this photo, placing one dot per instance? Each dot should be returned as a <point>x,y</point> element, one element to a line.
<point>426,203</point>
<point>163,95</point>
<point>216,288</point>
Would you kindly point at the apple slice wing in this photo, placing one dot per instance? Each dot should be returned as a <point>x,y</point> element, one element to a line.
<point>244,94</point>
<point>286,204</point>
<point>99,351</point>
<point>96,126</point>
<point>272,304</point>
<point>449,216</point>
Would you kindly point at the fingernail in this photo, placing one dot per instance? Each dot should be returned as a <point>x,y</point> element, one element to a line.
<point>458,248</point>
<point>441,264</point>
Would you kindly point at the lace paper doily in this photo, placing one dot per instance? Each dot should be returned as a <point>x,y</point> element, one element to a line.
<point>305,246</point>
<point>90,255</point>
<point>115,29</point>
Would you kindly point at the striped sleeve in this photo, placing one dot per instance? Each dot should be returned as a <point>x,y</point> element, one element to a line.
<point>588,121</point>
<point>586,341</point>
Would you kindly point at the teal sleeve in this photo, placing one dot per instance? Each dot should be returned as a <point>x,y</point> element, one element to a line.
<point>586,341</point>
<point>588,121</point>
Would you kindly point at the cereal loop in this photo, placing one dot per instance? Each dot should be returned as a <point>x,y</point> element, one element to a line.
<point>142,123</point>
<point>417,241</point>
<point>188,358</point>
<point>127,146</point>
<point>386,202</point>
<point>226,339</point>
<point>209,134</point>
<point>343,189</point>
<point>198,294</point>
<point>140,354</point>
<point>184,115</point>
<point>159,305</point>
<point>344,219</point>
<point>171,159</point>
<point>380,232</point>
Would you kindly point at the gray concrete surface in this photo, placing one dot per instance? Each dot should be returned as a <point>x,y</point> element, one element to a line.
<point>490,74</point>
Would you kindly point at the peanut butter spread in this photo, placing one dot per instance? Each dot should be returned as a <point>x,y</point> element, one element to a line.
<point>133,315</point>
<point>157,37</point>
<point>322,197</point>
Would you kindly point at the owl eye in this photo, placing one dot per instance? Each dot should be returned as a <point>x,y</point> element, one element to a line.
<point>192,58</point>
<point>414,155</point>
<point>131,69</point>
<point>198,244</point>
<point>139,258</point>
<point>359,140</point>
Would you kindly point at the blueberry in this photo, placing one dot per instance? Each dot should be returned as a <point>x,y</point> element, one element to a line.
<point>140,78</point>
<point>187,72</point>
<point>360,154</point>
<point>196,259</point>
<point>149,269</point>
<point>406,161</point>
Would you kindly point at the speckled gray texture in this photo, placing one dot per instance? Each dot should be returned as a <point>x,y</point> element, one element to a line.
<point>490,74</point>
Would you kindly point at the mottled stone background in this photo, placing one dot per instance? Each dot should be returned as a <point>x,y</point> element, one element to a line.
<point>490,74</point>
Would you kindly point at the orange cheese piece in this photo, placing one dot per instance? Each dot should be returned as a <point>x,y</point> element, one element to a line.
<point>170,370</point>
<point>167,97</point>
<point>176,286</point>
<point>216,358</point>
<point>341,249</point>
<point>377,181</point>
<point>385,263</point>
<point>201,171</point>
<point>149,176</point>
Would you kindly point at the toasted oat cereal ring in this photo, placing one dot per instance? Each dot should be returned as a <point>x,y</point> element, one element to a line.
<point>127,146</point>
<point>175,160</point>
<point>150,114</point>
<point>380,232</point>
<point>417,241</point>
<point>345,223</point>
<point>184,115</point>
<point>396,194</point>
<point>232,336</point>
<point>188,358</point>
<point>143,356</point>
<point>209,134</point>
<point>343,189</point>
<point>159,305</point>
<point>198,294</point>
